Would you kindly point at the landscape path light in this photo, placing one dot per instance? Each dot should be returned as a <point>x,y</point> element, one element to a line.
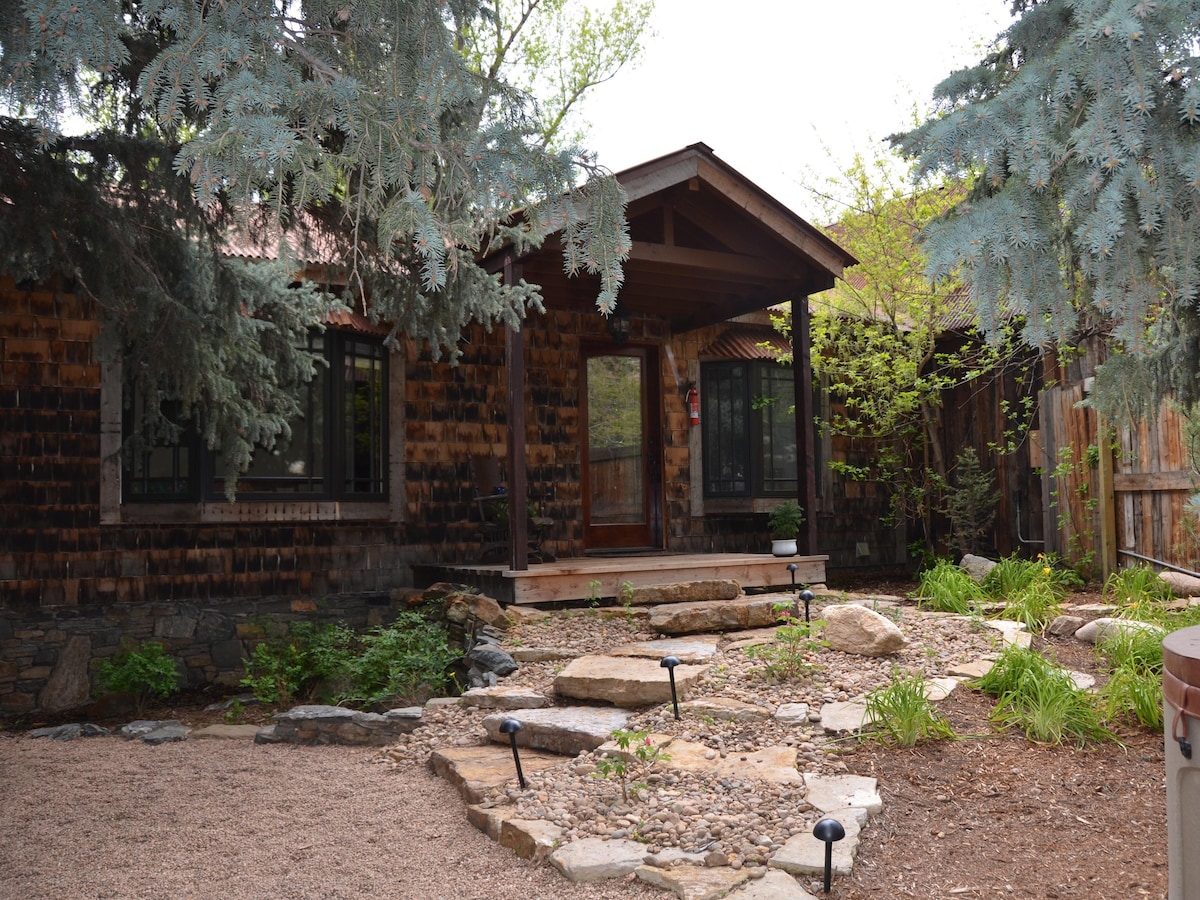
<point>669,663</point>
<point>511,727</point>
<point>792,567</point>
<point>808,597</point>
<point>828,831</point>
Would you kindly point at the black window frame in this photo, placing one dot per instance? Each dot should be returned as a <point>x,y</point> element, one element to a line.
<point>334,481</point>
<point>735,429</point>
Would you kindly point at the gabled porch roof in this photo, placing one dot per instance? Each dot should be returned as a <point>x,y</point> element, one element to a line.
<point>708,245</point>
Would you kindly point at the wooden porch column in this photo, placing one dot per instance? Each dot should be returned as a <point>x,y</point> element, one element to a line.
<point>514,399</point>
<point>806,451</point>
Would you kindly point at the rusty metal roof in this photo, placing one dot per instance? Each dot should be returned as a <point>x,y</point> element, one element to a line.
<point>747,342</point>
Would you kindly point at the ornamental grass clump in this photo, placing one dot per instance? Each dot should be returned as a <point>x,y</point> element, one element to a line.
<point>1040,698</point>
<point>1134,687</point>
<point>1138,592</point>
<point>947,588</point>
<point>901,714</point>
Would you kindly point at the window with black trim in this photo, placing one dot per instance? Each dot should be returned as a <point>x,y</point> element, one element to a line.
<point>748,429</point>
<point>337,449</point>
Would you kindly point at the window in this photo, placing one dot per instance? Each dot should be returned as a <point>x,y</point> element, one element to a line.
<point>749,429</point>
<point>337,449</point>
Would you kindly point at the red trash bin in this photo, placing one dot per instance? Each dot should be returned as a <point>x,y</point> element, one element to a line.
<point>1181,725</point>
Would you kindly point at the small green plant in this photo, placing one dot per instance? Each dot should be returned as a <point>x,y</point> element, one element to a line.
<point>1040,698</point>
<point>1134,687</point>
<point>901,714</point>
<point>1036,605</point>
<point>627,594</point>
<point>971,502</point>
<point>636,757</point>
<point>1136,591</point>
<point>785,520</point>
<point>141,672</point>
<point>593,596</point>
<point>233,715</point>
<point>787,658</point>
<point>947,588</point>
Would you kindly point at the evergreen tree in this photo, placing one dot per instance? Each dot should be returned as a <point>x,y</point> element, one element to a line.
<point>349,130</point>
<point>1082,126</point>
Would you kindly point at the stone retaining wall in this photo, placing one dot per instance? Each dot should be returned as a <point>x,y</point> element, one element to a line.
<point>49,656</point>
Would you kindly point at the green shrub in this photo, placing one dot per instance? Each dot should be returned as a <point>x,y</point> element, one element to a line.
<point>788,657</point>
<point>901,714</point>
<point>407,659</point>
<point>410,659</point>
<point>142,672</point>
<point>947,588</point>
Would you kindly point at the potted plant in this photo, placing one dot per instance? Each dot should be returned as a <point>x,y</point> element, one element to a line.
<point>784,523</point>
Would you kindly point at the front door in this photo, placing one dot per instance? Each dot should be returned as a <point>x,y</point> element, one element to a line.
<point>622,464</point>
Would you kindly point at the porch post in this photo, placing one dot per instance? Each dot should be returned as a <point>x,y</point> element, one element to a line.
<point>806,451</point>
<point>514,368</point>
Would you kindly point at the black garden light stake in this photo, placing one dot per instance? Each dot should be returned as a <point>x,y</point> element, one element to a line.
<point>511,727</point>
<point>669,663</point>
<point>808,597</point>
<point>792,567</point>
<point>828,831</point>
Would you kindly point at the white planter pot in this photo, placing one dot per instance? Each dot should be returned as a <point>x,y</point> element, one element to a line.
<point>784,548</point>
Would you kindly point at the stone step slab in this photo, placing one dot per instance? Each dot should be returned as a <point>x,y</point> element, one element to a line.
<point>596,859</point>
<point>695,650</point>
<point>792,713</point>
<point>755,637</point>
<point>803,854</point>
<point>1011,632</point>
<point>501,697</point>
<point>565,730</point>
<point>733,615</point>
<point>843,716</point>
<point>226,732</point>
<point>775,885</point>
<point>533,839</point>
<point>476,771</point>
<point>692,882</point>
<point>725,709</point>
<point>623,681</point>
<point>833,792</point>
<point>686,592</point>
<point>776,765</point>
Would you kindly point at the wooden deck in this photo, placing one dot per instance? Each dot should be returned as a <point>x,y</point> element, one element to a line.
<point>572,579</point>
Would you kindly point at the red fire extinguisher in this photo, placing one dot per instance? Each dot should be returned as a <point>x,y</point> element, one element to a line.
<point>693,406</point>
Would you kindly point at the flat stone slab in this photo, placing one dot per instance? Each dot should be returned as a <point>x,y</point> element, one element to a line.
<point>775,885</point>
<point>476,771</point>
<point>792,713</point>
<point>733,615</point>
<point>623,681</point>
<point>937,689</point>
<point>316,724</point>
<point>540,654</point>
<point>776,765</point>
<point>803,854</point>
<point>595,859</point>
<point>566,730</point>
<point>725,709</point>
<point>1011,632</point>
<point>692,651</point>
<point>843,716</point>
<point>974,669</point>
<point>227,732</point>
<point>692,882</point>
<point>755,637</point>
<point>832,792</point>
<point>501,697</point>
<point>533,839</point>
<point>686,591</point>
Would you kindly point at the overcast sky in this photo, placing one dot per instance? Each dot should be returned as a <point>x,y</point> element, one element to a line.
<point>770,84</point>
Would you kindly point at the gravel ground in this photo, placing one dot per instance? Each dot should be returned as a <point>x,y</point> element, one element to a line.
<point>103,817</point>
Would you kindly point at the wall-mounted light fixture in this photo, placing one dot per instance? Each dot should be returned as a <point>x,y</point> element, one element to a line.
<point>620,324</point>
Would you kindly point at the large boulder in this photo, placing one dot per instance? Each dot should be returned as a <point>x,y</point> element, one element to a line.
<point>625,681</point>
<point>861,631</point>
<point>976,566</point>
<point>1182,585</point>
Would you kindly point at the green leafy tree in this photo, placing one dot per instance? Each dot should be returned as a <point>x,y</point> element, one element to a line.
<point>1082,128</point>
<point>879,337</point>
<point>352,131</point>
<point>556,50</point>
